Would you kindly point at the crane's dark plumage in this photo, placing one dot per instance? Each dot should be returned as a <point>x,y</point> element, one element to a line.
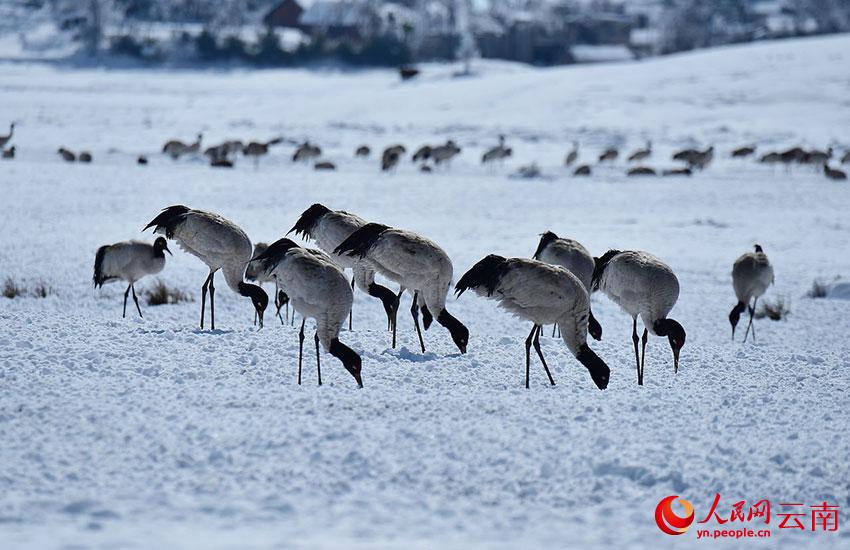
<point>169,219</point>
<point>545,239</point>
<point>308,219</point>
<point>599,266</point>
<point>272,256</point>
<point>486,273</point>
<point>99,277</point>
<point>358,243</point>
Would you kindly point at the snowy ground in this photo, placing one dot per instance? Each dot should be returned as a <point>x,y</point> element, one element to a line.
<point>152,434</point>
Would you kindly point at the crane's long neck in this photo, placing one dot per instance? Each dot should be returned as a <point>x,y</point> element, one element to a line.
<point>574,330</point>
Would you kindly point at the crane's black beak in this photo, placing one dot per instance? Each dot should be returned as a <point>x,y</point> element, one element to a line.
<point>166,249</point>
<point>676,360</point>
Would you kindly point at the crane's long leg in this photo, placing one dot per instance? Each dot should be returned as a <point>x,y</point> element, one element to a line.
<point>553,329</point>
<point>642,356</point>
<point>204,298</point>
<point>212,302</point>
<point>637,357</point>
<point>300,348</point>
<point>350,310</point>
<point>318,363</point>
<point>133,288</point>
<point>540,354</point>
<point>414,310</point>
<point>528,352</point>
<point>750,324</point>
<point>126,293</point>
<point>395,313</point>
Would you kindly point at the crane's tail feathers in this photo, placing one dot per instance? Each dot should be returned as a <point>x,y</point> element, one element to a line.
<point>99,278</point>
<point>169,219</point>
<point>358,243</point>
<point>308,220</point>
<point>545,239</point>
<point>486,273</point>
<point>599,265</point>
<point>272,256</point>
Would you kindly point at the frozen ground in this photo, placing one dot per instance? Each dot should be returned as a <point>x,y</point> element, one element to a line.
<point>152,434</point>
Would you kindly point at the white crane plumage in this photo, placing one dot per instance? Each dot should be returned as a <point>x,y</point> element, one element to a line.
<point>751,275</point>
<point>643,286</point>
<point>415,263</point>
<point>317,288</point>
<point>575,258</point>
<point>329,228</point>
<point>129,261</point>
<point>543,294</point>
<point>217,242</point>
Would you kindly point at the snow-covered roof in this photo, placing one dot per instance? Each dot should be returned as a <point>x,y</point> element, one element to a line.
<point>595,54</point>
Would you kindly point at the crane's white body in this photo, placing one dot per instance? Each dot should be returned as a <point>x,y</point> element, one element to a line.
<point>642,285</point>
<point>130,261</point>
<point>752,274</point>
<point>570,255</point>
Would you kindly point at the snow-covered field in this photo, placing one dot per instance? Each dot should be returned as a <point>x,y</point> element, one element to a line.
<point>149,433</point>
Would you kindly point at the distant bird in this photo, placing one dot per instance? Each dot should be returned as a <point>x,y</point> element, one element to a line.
<point>426,169</point>
<point>751,275</point>
<point>770,158</point>
<point>422,154</point>
<point>834,173</point>
<point>543,294</point>
<point>609,155</point>
<point>572,156</point>
<point>818,158</point>
<point>324,165</point>
<point>398,148</point>
<point>497,153</point>
<point>143,160</point>
<point>583,170</point>
<point>67,155</point>
<point>643,286</point>
<point>217,242</point>
<point>9,153</point>
<point>8,137</point>
<point>445,153</point>
<point>257,149</point>
<point>677,172</point>
<point>129,261</point>
<point>328,229</point>
<point>363,151</point>
<point>415,263</point>
<point>256,274</point>
<point>794,154</point>
<point>641,171</point>
<point>845,158</point>
<point>641,154</point>
<point>695,158</point>
<point>745,151</point>
<point>390,159</point>
<point>317,289</point>
<point>84,156</point>
<point>176,148</point>
<point>216,153</point>
<point>575,258</point>
<point>306,152</point>
<point>221,163</point>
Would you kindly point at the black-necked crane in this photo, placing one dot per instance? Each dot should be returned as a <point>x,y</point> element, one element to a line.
<point>85,157</point>
<point>318,289</point>
<point>390,158</point>
<point>176,148</point>
<point>543,294</point>
<point>497,153</point>
<point>329,228</point>
<point>415,263</point>
<point>641,171</point>
<point>583,170</point>
<point>257,149</point>
<point>745,151</point>
<point>306,152</point>
<point>362,151</point>
<point>445,153</point>
<point>9,153</point>
<point>67,155</point>
<point>834,173</point>
<point>574,257</point>
<point>8,137</point>
<point>641,154</point>
<point>644,287</point>
<point>845,158</point>
<point>422,154</point>
<point>572,156</point>
<point>609,155</point>
<point>324,166</point>
<point>255,274</point>
<point>129,261</point>
<point>217,242</point>
<point>751,275</point>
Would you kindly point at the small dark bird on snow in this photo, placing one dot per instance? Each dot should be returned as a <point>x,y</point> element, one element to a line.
<point>834,173</point>
<point>641,171</point>
<point>67,155</point>
<point>583,170</point>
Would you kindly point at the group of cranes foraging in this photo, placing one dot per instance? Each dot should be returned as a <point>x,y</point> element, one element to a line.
<point>553,287</point>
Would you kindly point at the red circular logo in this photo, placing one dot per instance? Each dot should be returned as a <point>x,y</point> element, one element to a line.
<point>668,521</point>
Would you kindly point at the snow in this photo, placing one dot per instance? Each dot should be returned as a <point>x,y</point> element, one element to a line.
<point>149,433</point>
<point>595,54</point>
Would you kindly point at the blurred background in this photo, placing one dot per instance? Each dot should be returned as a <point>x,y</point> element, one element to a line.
<point>375,33</point>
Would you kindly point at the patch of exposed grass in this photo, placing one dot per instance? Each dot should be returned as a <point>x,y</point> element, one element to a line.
<point>11,289</point>
<point>161,294</point>
<point>775,310</point>
<point>819,289</point>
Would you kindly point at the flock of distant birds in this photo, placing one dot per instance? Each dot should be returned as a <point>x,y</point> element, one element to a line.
<point>428,157</point>
<point>551,287</point>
